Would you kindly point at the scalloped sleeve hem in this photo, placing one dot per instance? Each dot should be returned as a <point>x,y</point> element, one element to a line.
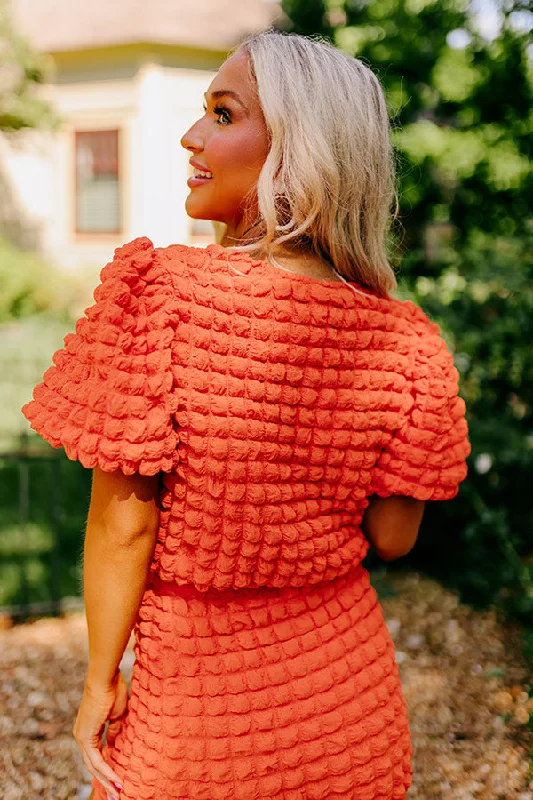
<point>107,399</point>
<point>426,456</point>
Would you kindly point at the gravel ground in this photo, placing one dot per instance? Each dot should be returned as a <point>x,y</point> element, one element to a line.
<point>464,677</point>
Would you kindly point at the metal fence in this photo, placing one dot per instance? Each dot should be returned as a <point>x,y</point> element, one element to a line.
<point>42,512</point>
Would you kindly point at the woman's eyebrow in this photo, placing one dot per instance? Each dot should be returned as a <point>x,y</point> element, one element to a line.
<point>226,93</point>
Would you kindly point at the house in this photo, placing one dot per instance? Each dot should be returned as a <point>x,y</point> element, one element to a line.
<point>129,78</point>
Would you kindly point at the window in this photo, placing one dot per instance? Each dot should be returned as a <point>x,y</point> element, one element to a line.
<point>97,182</point>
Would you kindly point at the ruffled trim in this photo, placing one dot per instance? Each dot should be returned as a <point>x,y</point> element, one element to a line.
<point>426,457</point>
<point>108,397</point>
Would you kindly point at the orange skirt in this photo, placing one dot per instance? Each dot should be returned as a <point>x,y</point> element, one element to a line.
<point>249,694</point>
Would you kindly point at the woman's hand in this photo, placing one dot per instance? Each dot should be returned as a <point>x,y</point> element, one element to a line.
<point>98,706</point>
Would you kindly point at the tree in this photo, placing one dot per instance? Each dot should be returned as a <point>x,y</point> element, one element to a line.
<point>307,17</point>
<point>463,133</point>
<point>458,112</point>
<point>21,71</point>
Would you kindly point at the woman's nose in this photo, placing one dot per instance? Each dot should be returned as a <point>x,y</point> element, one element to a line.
<point>192,139</point>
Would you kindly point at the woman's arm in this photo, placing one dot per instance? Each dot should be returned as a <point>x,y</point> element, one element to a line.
<point>119,544</point>
<point>391,525</point>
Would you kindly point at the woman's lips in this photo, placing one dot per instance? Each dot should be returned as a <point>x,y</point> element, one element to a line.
<point>200,176</point>
<point>197,180</point>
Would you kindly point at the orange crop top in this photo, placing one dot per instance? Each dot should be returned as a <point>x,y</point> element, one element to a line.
<point>272,404</point>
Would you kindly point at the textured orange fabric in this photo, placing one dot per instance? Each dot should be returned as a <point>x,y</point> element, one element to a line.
<point>264,693</point>
<point>274,405</point>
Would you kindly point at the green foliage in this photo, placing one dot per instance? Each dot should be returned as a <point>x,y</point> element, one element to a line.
<point>308,16</point>
<point>463,133</point>
<point>484,301</point>
<point>462,137</point>
<point>31,286</point>
<point>29,549</point>
<point>25,349</point>
<point>22,70</point>
<point>37,307</point>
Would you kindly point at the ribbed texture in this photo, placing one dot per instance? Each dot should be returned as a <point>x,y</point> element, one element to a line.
<point>275,405</point>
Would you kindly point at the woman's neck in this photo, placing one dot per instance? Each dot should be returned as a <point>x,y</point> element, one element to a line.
<point>305,263</point>
<point>293,259</point>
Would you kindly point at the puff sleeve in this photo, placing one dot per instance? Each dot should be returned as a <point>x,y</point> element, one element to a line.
<point>107,399</point>
<point>426,455</point>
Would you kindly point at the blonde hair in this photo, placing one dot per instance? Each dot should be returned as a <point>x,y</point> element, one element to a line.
<point>327,184</point>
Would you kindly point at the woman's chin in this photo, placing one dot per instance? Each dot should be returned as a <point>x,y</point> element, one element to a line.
<point>196,209</point>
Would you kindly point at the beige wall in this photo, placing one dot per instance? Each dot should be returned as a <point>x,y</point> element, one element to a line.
<point>152,105</point>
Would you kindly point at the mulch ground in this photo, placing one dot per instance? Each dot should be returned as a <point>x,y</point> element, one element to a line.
<point>465,680</point>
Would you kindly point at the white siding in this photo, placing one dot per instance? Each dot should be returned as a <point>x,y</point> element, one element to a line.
<point>152,107</point>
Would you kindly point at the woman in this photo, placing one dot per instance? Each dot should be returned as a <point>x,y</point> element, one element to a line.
<point>256,414</point>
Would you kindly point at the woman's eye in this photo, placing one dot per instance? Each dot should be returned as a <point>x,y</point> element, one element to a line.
<point>224,117</point>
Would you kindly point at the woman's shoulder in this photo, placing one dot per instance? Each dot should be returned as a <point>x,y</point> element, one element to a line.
<point>405,339</point>
<point>415,319</point>
<point>215,265</point>
<point>138,266</point>
<point>190,265</point>
<point>141,252</point>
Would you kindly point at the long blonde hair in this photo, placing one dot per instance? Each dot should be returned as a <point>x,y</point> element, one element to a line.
<point>327,184</point>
